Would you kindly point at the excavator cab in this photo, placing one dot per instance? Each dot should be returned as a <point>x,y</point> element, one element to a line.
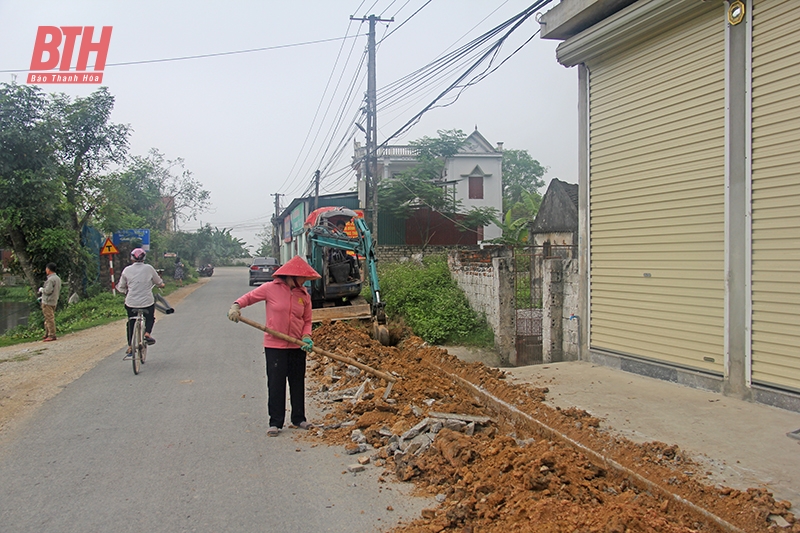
<point>341,250</point>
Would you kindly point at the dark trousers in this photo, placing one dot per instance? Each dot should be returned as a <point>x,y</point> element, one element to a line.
<point>149,319</point>
<point>285,365</point>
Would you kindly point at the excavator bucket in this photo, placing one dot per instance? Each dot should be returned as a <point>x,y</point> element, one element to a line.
<point>357,309</point>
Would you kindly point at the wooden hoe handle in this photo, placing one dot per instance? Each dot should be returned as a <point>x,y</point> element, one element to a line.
<point>377,373</point>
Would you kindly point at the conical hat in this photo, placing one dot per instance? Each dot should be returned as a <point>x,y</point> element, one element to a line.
<point>297,266</point>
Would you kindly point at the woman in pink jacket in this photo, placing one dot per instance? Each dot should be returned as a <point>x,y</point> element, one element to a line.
<point>289,312</point>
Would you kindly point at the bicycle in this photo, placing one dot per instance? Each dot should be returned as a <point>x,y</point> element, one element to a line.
<point>138,345</point>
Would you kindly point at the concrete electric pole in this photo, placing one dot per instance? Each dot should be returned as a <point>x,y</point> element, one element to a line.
<point>371,159</point>
<point>276,234</point>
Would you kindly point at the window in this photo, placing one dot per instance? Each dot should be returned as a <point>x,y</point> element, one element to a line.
<point>476,187</point>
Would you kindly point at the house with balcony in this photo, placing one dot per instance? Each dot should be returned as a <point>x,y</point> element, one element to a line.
<point>474,176</point>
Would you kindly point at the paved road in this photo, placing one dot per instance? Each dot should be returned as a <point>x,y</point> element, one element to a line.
<point>183,446</point>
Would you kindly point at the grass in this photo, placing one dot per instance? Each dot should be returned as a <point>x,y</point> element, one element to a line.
<point>96,311</point>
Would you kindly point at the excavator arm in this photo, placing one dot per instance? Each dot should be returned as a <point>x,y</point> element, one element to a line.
<point>323,239</point>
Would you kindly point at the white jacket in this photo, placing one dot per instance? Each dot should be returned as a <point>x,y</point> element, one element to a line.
<point>137,282</point>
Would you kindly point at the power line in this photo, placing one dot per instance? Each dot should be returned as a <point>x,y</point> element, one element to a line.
<point>402,23</point>
<point>493,50</point>
<point>216,54</point>
<point>316,113</point>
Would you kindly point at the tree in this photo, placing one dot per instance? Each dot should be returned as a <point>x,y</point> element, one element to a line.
<point>521,173</point>
<point>522,177</point>
<point>86,144</point>
<point>517,220</point>
<point>185,194</point>
<point>27,189</point>
<point>421,186</point>
<point>265,241</point>
<point>148,193</point>
<point>206,245</point>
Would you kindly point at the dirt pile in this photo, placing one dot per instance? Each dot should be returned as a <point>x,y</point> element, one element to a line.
<point>498,459</point>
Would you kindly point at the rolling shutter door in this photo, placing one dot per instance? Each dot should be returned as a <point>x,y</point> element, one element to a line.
<point>657,113</point>
<point>776,194</point>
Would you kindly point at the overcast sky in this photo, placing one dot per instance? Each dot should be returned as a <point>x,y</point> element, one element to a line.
<point>253,124</point>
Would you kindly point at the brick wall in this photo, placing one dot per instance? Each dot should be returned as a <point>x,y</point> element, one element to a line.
<point>402,253</point>
<point>486,278</point>
<point>474,273</point>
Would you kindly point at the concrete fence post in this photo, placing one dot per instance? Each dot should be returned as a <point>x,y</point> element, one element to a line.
<point>552,310</point>
<point>505,334</point>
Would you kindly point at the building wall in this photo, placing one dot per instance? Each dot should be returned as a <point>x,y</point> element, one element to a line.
<point>403,253</point>
<point>726,87</point>
<point>776,194</point>
<point>464,164</point>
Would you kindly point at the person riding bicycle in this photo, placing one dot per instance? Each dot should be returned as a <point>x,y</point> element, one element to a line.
<point>136,283</point>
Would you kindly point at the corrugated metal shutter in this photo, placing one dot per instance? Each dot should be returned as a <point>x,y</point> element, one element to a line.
<point>657,119</point>
<point>776,194</point>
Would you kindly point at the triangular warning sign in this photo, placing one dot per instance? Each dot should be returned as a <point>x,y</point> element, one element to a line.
<point>108,248</point>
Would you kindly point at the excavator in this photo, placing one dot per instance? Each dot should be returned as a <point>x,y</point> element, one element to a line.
<point>341,250</point>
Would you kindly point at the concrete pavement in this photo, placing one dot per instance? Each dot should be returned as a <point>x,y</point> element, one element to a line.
<point>742,444</point>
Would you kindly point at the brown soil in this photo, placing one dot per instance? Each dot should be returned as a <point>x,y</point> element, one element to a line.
<point>523,467</point>
<point>32,373</point>
<point>530,467</point>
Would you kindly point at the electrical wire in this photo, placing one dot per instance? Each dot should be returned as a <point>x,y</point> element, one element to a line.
<point>492,52</point>
<point>380,16</point>
<point>316,114</point>
<point>215,54</point>
<point>403,23</point>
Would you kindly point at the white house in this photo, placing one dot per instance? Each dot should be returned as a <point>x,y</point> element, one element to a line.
<point>475,174</point>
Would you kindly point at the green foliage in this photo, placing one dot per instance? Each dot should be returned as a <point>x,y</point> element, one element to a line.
<point>55,153</point>
<point>265,242</point>
<point>522,177</point>
<point>518,219</point>
<point>430,302</point>
<point>15,294</point>
<point>54,180</point>
<point>206,245</point>
<point>101,309</point>
<point>521,173</point>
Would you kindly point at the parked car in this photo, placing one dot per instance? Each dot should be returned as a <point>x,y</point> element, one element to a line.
<point>262,268</point>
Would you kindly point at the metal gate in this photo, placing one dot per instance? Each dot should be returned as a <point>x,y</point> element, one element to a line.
<point>528,295</point>
<point>528,303</point>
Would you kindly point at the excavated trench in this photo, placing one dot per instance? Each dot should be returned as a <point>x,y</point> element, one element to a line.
<point>497,458</point>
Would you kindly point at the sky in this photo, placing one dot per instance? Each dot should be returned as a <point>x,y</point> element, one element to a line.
<point>249,125</point>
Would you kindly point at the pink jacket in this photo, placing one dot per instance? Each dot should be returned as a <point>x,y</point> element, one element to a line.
<point>288,311</point>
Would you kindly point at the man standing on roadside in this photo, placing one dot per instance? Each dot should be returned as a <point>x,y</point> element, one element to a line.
<point>50,293</point>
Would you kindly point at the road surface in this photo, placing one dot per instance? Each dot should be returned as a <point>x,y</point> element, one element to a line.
<point>183,445</point>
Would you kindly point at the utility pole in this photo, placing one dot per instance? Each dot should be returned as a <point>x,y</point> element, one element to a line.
<point>371,159</point>
<point>276,234</point>
<point>316,190</point>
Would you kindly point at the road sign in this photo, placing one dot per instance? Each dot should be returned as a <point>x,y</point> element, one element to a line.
<point>108,248</point>
<point>127,235</point>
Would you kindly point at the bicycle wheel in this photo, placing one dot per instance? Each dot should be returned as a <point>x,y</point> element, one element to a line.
<point>136,343</point>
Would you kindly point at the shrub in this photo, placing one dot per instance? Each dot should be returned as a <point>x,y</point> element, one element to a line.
<point>431,303</point>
